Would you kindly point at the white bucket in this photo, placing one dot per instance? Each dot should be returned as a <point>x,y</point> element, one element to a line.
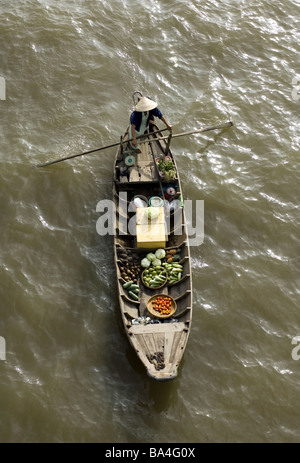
<point>137,201</point>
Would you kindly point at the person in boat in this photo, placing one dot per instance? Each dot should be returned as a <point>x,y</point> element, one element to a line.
<point>144,113</point>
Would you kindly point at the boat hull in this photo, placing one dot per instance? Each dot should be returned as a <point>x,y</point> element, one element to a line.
<point>158,342</point>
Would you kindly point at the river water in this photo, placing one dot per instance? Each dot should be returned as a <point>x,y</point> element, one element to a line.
<point>70,69</point>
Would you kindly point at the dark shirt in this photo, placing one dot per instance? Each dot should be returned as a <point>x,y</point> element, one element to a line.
<point>136,117</point>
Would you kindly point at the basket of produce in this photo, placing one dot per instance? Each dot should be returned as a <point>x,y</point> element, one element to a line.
<point>161,306</point>
<point>166,169</point>
<point>154,277</point>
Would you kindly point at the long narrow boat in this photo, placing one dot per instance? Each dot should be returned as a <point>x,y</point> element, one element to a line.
<point>159,339</point>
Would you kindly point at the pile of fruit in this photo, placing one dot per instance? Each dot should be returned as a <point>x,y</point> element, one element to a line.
<point>174,271</point>
<point>154,277</point>
<point>129,266</point>
<point>153,258</point>
<point>163,305</point>
<point>133,290</point>
<point>173,255</point>
<point>159,263</point>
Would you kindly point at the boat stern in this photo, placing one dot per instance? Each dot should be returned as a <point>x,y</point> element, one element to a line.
<point>162,375</point>
<point>160,347</point>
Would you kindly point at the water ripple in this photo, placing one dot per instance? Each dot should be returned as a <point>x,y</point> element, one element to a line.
<point>70,69</point>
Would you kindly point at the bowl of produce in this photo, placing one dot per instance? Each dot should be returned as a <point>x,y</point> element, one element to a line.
<point>155,277</point>
<point>167,169</point>
<point>161,306</point>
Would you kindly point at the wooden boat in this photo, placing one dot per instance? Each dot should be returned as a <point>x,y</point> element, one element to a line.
<point>158,340</point>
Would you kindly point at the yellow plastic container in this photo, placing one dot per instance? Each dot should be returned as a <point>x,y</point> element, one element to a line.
<point>150,233</point>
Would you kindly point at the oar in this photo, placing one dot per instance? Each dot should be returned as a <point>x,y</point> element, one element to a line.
<point>228,124</point>
<point>96,149</point>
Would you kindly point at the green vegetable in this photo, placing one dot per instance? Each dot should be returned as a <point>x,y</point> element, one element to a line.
<point>150,256</point>
<point>145,262</point>
<point>132,287</point>
<point>156,262</point>
<point>174,271</point>
<point>175,265</point>
<point>160,253</point>
<point>165,166</point>
<point>128,284</point>
<point>133,296</point>
<point>169,175</point>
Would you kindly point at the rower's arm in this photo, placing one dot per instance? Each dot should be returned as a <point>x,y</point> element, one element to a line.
<point>167,124</point>
<point>134,142</point>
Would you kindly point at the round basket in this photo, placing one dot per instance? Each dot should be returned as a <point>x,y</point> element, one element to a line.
<point>156,287</point>
<point>155,313</point>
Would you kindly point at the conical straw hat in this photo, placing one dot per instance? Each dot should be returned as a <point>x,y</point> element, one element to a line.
<point>145,104</point>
